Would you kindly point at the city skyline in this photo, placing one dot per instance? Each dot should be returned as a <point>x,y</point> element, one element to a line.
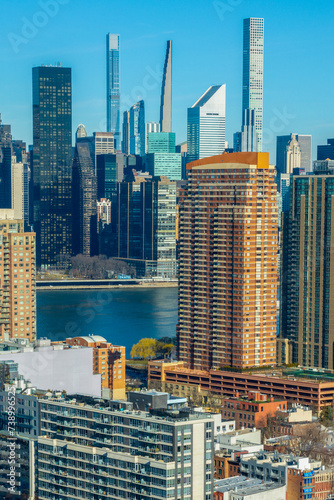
<point>285,100</point>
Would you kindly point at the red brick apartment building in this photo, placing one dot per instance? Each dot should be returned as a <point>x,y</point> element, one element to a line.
<point>228,244</point>
<point>251,411</point>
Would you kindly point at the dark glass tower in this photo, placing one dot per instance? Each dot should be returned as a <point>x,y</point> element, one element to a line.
<point>5,165</point>
<point>84,186</point>
<point>52,162</point>
<point>307,272</point>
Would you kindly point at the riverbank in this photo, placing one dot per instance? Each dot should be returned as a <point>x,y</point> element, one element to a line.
<point>118,286</point>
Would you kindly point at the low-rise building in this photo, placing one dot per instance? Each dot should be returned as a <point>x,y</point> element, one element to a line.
<point>252,410</point>
<point>56,367</point>
<point>315,482</point>
<point>241,488</point>
<point>274,466</point>
<point>226,465</point>
<point>240,441</point>
<point>312,387</point>
<point>81,365</point>
<point>108,361</point>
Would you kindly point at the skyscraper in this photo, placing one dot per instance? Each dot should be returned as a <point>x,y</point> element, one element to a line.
<point>305,145</point>
<point>247,139</point>
<point>81,131</point>
<point>228,263</point>
<point>206,124</point>
<point>52,162</point>
<point>161,142</point>
<point>150,127</point>
<point>18,283</point>
<point>110,171</point>
<point>326,151</point>
<point>143,226</point>
<point>293,155</point>
<point>5,165</point>
<point>137,129</point>
<point>88,150</point>
<point>308,270</point>
<point>113,88</point>
<point>84,199</point>
<point>252,80</point>
<point>166,92</point>
<point>168,164</point>
<point>126,133</point>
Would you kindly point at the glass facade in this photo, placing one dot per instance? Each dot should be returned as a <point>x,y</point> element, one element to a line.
<point>143,226</point>
<point>5,165</point>
<point>167,164</point>
<point>113,88</point>
<point>307,277</point>
<point>137,129</point>
<point>110,171</point>
<point>161,142</point>
<point>52,162</point>
<point>84,199</point>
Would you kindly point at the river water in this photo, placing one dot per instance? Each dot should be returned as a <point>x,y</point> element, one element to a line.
<point>121,316</point>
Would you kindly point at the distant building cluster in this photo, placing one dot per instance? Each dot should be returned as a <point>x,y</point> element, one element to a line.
<point>239,412</point>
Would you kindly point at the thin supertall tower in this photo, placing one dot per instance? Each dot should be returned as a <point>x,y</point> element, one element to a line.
<point>113,88</point>
<point>252,80</point>
<point>166,92</point>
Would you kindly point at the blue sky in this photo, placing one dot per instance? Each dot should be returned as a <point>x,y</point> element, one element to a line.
<point>207,49</point>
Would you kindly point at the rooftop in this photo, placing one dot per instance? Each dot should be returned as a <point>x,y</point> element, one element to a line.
<point>315,375</point>
<point>257,488</point>
<point>174,416</point>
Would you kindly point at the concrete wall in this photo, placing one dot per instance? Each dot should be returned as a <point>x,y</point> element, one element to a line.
<point>278,493</point>
<point>198,461</point>
<point>70,370</point>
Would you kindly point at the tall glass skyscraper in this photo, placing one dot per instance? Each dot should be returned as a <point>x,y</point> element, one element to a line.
<point>5,165</point>
<point>52,162</point>
<point>252,82</point>
<point>113,88</point>
<point>307,273</point>
<point>137,129</point>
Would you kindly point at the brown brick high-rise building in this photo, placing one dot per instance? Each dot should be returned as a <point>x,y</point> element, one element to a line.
<point>228,263</point>
<point>17,279</point>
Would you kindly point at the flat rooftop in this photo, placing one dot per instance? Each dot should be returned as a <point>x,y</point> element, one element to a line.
<point>157,414</point>
<point>257,488</point>
<point>303,374</point>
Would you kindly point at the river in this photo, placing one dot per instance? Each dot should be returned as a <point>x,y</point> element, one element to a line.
<point>122,317</point>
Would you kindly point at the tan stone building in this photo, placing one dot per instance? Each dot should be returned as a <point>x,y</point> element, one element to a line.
<point>17,279</point>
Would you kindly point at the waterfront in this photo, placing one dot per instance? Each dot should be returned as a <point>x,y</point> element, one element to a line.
<point>122,316</point>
